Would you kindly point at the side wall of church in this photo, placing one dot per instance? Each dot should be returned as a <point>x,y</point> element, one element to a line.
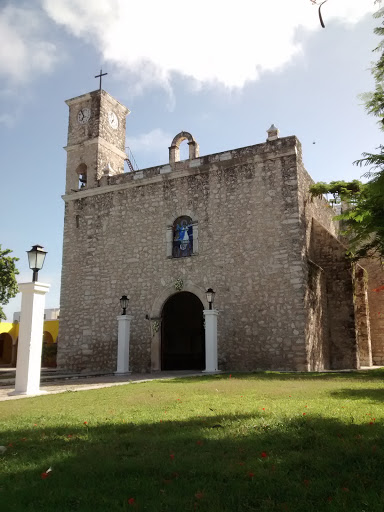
<point>331,334</point>
<point>245,204</point>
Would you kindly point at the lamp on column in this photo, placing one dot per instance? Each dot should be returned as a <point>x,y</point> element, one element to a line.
<point>210,297</point>
<point>36,257</point>
<point>124,304</point>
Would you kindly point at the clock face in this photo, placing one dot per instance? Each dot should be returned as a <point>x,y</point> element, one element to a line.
<point>112,118</point>
<point>84,115</point>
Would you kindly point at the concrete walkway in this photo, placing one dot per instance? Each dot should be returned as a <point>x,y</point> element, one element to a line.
<point>56,383</point>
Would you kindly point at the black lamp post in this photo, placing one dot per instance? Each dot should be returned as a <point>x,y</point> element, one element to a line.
<point>210,297</point>
<point>124,303</point>
<point>36,257</point>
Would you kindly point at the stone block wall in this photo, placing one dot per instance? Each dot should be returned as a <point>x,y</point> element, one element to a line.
<point>340,321</point>
<point>245,203</point>
<point>363,328</point>
<point>316,304</point>
<point>327,252</point>
<point>100,103</point>
<point>283,286</point>
<point>94,144</point>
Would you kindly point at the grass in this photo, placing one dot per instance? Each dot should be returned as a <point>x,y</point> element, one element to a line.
<point>259,442</point>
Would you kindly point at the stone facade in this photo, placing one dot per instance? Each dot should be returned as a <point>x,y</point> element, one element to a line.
<point>284,289</point>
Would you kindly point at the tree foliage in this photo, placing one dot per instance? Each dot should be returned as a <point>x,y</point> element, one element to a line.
<point>363,214</point>
<point>374,101</point>
<point>8,284</point>
<point>363,204</point>
<point>341,191</point>
<point>364,221</point>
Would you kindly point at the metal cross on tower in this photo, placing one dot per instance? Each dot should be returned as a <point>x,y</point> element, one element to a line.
<point>99,76</point>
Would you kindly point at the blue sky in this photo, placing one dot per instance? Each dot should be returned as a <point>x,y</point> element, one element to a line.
<point>223,71</point>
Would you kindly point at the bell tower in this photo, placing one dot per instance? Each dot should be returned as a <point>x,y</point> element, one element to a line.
<point>96,139</point>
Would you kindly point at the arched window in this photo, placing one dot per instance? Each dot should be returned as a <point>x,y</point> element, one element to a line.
<point>182,237</point>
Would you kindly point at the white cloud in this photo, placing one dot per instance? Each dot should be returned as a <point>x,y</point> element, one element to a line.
<point>23,50</point>
<point>215,40</point>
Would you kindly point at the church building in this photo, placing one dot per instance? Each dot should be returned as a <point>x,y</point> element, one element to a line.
<point>241,222</point>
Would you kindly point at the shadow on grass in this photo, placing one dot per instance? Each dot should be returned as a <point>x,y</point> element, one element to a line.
<point>217,464</point>
<point>361,375</point>
<point>374,395</point>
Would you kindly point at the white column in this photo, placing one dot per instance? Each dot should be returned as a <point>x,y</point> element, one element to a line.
<point>28,364</point>
<point>123,335</point>
<point>210,316</point>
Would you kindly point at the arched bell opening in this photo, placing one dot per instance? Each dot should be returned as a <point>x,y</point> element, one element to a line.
<point>182,333</point>
<point>81,171</point>
<point>174,149</point>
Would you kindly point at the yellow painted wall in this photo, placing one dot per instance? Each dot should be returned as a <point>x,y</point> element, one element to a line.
<point>11,329</point>
<point>52,326</point>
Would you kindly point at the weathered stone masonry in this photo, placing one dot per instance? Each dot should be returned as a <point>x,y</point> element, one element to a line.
<point>258,241</point>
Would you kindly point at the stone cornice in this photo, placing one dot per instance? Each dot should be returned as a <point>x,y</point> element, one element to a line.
<point>78,99</point>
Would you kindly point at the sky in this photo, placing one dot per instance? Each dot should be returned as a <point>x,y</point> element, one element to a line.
<point>224,71</point>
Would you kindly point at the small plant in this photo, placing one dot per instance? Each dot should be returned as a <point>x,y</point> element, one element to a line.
<point>155,327</point>
<point>179,284</point>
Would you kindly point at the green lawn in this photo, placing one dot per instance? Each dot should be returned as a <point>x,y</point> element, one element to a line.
<point>259,442</point>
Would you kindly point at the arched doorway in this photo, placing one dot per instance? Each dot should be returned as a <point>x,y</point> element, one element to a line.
<point>182,336</point>
<point>5,348</point>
